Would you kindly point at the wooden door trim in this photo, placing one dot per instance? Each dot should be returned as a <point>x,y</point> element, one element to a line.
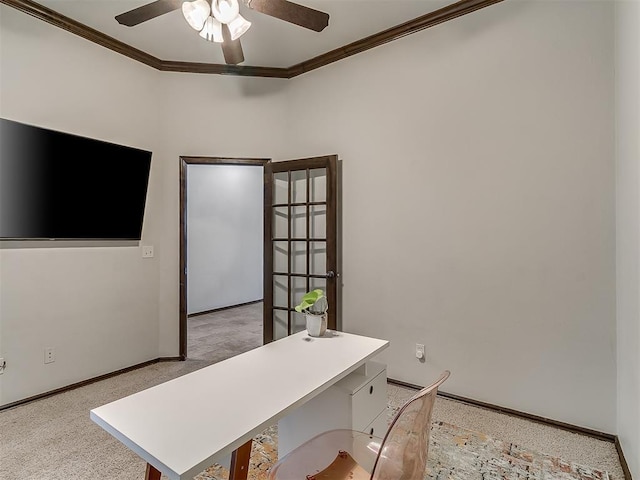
<point>224,161</point>
<point>184,162</point>
<point>267,256</point>
<point>332,239</point>
<point>301,163</point>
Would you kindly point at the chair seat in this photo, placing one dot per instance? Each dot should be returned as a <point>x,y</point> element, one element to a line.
<point>401,455</point>
<point>320,456</point>
<point>344,467</point>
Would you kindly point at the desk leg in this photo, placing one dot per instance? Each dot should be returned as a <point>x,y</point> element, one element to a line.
<point>151,473</point>
<point>240,462</point>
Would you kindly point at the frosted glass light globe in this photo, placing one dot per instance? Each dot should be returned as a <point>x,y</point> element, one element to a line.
<point>225,10</point>
<point>238,27</point>
<point>212,30</point>
<point>196,13</point>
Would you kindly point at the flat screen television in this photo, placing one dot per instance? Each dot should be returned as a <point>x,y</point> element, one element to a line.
<point>59,186</point>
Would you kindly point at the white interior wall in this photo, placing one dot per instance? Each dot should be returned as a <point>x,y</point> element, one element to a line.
<point>105,308</point>
<point>96,306</point>
<point>627,228</point>
<point>248,121</point>
<point>478,203</point>
<point>488,133</point>
<point>224,235</point>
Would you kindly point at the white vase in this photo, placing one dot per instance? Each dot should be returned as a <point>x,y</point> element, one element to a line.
<point>316,324</point>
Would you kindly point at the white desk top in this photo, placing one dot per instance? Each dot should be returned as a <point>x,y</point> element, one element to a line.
<point>183,426</point>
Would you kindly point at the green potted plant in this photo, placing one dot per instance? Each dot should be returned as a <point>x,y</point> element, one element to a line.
<point>314,306</point>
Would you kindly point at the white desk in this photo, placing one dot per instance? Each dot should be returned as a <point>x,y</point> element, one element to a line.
<point>183,426</point>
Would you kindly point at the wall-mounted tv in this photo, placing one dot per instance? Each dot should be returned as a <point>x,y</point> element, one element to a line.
<point>54,185</point>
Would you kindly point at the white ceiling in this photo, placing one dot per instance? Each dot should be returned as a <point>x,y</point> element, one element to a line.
<point>269,42</point>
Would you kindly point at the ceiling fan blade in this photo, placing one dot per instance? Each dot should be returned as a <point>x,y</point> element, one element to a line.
<point>231,49</point>
<point>147,12</point>
<point>292,12</point>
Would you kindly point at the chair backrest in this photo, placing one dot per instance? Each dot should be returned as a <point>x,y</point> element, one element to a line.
<point>403,453</point>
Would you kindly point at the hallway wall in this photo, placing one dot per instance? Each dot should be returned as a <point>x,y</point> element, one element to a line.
<point>224,236</point>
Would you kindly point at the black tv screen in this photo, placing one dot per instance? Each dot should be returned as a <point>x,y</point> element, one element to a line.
<point>54,185</point>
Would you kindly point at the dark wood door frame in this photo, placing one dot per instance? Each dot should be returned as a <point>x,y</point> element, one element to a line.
<point>184,162</point>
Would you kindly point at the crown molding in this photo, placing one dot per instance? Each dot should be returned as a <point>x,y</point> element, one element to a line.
<point>65,23</point>
<point>221,69</point>
<point>431,19</point>
<point>449,12</point>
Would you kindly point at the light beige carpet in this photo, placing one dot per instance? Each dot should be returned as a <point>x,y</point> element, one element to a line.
<point>54,439</point>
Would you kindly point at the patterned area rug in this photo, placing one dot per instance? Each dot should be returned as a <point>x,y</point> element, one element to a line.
<point>454,454</point>
<point>459,454</point>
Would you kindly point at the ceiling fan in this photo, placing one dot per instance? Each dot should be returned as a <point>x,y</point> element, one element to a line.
<point>220,20</point>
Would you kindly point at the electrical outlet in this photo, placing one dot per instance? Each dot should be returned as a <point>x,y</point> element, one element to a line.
<point>3,364</point>
<point>420,351</point>
<point>49,356</point>
<point>147,251</point>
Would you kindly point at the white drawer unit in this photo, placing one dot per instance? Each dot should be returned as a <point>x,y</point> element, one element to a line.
<point>379,426</point>
<point>357,402</point>
<point>369,400</point>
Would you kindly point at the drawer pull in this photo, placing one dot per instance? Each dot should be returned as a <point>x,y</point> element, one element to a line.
<point>370,389</point>
<point>371,431</point>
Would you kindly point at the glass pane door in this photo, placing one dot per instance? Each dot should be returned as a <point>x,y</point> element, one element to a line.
<point>300,241</point>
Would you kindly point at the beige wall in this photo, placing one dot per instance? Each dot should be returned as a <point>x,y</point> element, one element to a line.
<point>105,308</point>
<point>628,226</point>
<point>479,202</point>
<point>96,306</point>
<point>247,121</point>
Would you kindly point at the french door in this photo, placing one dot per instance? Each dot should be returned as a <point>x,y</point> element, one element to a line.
<point>300,241</point>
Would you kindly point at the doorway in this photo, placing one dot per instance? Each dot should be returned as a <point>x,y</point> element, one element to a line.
<point>220,255</point>
<point>302,248</point>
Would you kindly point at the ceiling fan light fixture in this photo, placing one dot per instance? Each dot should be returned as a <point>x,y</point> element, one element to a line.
<point>225,10</point>
<point>212,30</point>
<point>196,13</point>
<point>238,27</point>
